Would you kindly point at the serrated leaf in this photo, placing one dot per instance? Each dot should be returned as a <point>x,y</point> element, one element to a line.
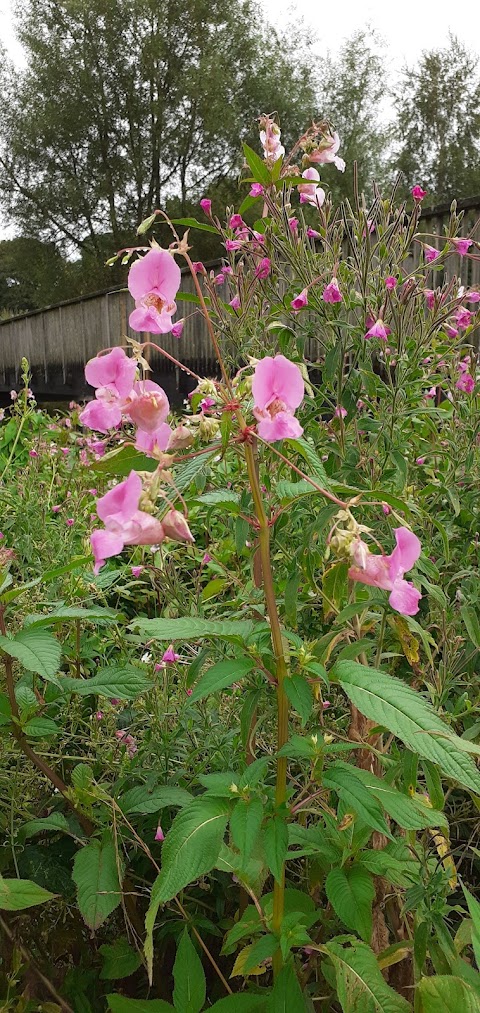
<point>351,893</point>
<point>315,464</point>
<point>259,951</point>
<point>248,924</point>
<point>286,994</point>
<point>189,991</point>
<point>357,798</point>
<point>141,800</point>
<point>18,894</point>
<point>66,612</point>
<point>276,845</point>
<point>224,498</point>
<point>120,960</point>
<point>245,823</point>
<point>120,1004</point>
<point>191,628</point>
<point>96,873</point>
<point>361,987</point>
<point>125,683</point>
<point>300,694</point>
<point>37,650</point>
<point>190,850</point>
<point>241,961</point>
<point>391,703</point>
<point>474,912</point>
<point>220,676</point>
<point>446,994</point>
<point>122,461</point>
<point>40,728</point>
<point>409,812</point>
<point>54,822</point>
<point>240,1003</point>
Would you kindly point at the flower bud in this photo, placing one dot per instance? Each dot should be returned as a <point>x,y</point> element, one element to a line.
<point>180,438</point>
<point>176,527</point>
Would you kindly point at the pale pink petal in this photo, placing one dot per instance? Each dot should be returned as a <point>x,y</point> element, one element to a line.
<point>283,426</point>
<point>143,529</point>
<point>121,502</point>
<point>115,370</point>
<point>148,442</point>
<point>405,598</point>
<point>176,527</point>
<point>405,555</point>
<point>156,273</point>
<point>149,410</point>
<point>277,378</point>
<point>375,573</point>
<point>148,318</point>
<point>101,416</point>
<point>105,544</point>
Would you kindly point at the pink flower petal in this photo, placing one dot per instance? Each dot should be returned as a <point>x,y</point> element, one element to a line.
<point>156,273</point>
<point>277,379</point>
<point>115,371</point>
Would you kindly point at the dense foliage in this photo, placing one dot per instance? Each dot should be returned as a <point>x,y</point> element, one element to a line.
<point>243,767</point>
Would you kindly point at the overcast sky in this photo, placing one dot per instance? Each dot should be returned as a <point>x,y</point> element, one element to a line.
<point>407,27</point>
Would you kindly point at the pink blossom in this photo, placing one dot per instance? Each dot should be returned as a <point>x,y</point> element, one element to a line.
<point>360,404</point>
<point>153,281</point>
<point>452,332</point>
<point>159,834</point>
<point>340,413</point>
<point>326,152</point>
<point>99,715</point>
<point>169,658</point>
<point>148,406</point>
<point>219,279</point>
<point>13,395</point>
<point>312,233</point>
<point>256,190</point>
<point>233,244</point>
<point>65,450</point>
<point>189,692</point>
<point>128,741</point>
<point>113,372</point>
<point>198,267</point>
<point>206,206</point>
<point>473,296</point>
<point>177,329</point>
<point>390,283</point>
<point>137,570</point>
<point>154,443</point>
<point>56,508</point>
<point>176,527</point>
<point>102,414</point>
<point>206,559</point>
<point>270,139</point>
<point>331,292</point>
<point>430,253</point>
<point>370,227</point>
<point>70,522</point>
<point>466,383</point>
<point>263,269</point>
<point>293,224</point>
<point>386,509</point>
<point>431,393</point>
<point>310,193</point>
<point>378,330</point>
<point>326,704</point>
<point>124,523</point>
<point>462,245</point>
<point>429,298</point>
<point>206,403</point>
<point>420,460</point>
<point>278,389</point>
<point>236,222</point>
<point>226,269</point>
<point>387,572</point>
<point>300,301</point>
<point>463,317</point>
<point>417,193</point>
<point>179,438</point>
<point>259,237</point>
<point>235,302</point>
<point>32,453</point>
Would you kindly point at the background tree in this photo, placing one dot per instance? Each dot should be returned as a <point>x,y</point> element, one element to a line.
<point>438,123</point>
<point>32,274</point>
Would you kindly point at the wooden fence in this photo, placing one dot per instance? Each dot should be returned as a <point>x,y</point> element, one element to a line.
<point>58,340</point>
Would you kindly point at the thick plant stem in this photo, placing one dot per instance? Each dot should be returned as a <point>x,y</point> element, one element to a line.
<point>281,674</point>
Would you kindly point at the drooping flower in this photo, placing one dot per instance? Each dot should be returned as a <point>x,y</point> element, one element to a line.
<point>278,389</point>
<point>331,292</point>
<point>198,267</point>
<point>113,372</point>
<point>326,152</point>
<point>124,523</point>
<point>153,281</point>
<point>159,834</point>
<point>177,329</point>
<point>300,301</point>
<point>312,233</point>
<point>417,193</point>
<point>430,253</point>
<point>137,570</point>
<point>176,527</point>
<point>263,269</point>
<point>390,283</point>
<point>429,298</point>
<point>156,442</point>
<point>340,412</point>
<point>169,658</point>
<point>420,460</point>
<point>387,572</point>
<point>148,406</point>
<point>466,383</point>
<point>462,246</point>
<point>236,222</point>
<point>473,296</point>
<point>233,244</point>
<point>206,205</point>
<point>463,317</point>
<point>270,139</point>
<point>378,330</point>
<point>235,302</point>
<point>309,192</point>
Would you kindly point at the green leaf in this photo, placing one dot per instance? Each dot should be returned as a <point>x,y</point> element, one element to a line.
<point>300,694</point>
<point>240,1003</point>
<point>472,624</point>
<point>356,797</point>
<point>276,845</point>
<point>191,628</point>
<point>351,893</point>
<point>410,813</point>
<point>40,728</point>
<point>474,912</point>
<point>189,991</point>
<point>64,613</point>
<point>96,874</point>
<point>124,682</point>
<point>248,924</point>
<point>394,705</point>
<point>221,675</point>
<point>37,650</point>
<point>225,498</point>
<point>260,950</point>
<point>315,464</point>
<point>119,959</point>
<point>55,822</point>
<point>141,800</point>
<point>257,166</point>
<point>213,588</point>
<point>191,223</point>
<point>190,850</point>
<point>446,994</point>
<point>18,894</point>
<point>5,710</point>
<point>245,823</point>
<point>286,994</point>
<point>120,1004</point>
<point>361,987</point>
<point>122,461</point>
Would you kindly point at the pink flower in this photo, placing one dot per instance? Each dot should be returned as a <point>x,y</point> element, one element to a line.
<point>429,298</point>
<point>235,302</point>
<point>417,193</point>
<point>189,692</point>
<point>124,523</point>
<point>293,224</point>
<point>56,508</point>
<point>99,715</point>
<point>360,404</point>
<point>310,193</point>
<point>270,139</point>
<point>386,509</point>
<point>463,317</point>
<point>387,572</point>
<point>340,413</point>
<point>148,406</point>
<point>70,522</point>
<point>206,206</point>
<point>177,329</point>
<point>462,245</point>
<point>32,453</point>
<point>430,253</point>
<point>137,570</point>
<point>326,704</point>
<point>153,281</point>
<point>206,559</point>
<point>312,233</point>
<point>378,330</point>
<point>128,741</point>
<point>198,267</point>
<point>226,269</point>
<point>278,388</point>
<point>13,395</point>
<point>331,292</point>
<point>420,460</point>
<point>233,244</point>
<point>169,658</point>
<point>159,834</point>
<point>206,403</point>
<point>156,442</point>
<point>219,279</point>
<point>431,393</point>
<point>327,152</point>
<point>113,373</point>
<point>300,301</point>
<point>236,222</point>
<point>176,527</point>
<point>473,296</point>
<point>263,269</point>
<point>390,283</point>
<point>179,438</point>
<point>370,227</point>
<point>466,383</point>
<point>256,190</point>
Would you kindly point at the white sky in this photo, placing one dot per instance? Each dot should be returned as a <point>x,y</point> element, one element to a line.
<point>408,26</point>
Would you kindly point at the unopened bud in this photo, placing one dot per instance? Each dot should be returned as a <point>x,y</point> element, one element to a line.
<point>176,527</point>
<point>180,438</point>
